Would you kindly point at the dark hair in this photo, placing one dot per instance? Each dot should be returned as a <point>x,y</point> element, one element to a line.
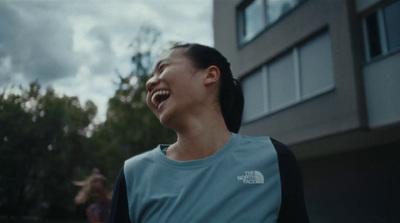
<point>231,97</point>
<point>98,178</point>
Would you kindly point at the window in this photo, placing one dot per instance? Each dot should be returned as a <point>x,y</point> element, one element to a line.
<point>254,95</point>
<point>392,17</point>
<point>373,36</point>
<point>316,68</point>
<point>282,82</point>
<point>381,31</point>
<point>276,8</point>
<point>252,19</point>
<point>304,72</point>
<point>256,15</point>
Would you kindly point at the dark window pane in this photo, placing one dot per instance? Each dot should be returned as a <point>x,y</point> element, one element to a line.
<point>276,8</point>
<point>392,22</point>
<point>253,20</point>
<point>374,43</point>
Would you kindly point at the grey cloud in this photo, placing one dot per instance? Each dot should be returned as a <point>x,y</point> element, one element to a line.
<point>37,37</point>
<point>104,53</point>
<point>40,47</point>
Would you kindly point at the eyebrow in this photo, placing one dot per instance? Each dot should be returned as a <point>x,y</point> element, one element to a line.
<point>156,67</point>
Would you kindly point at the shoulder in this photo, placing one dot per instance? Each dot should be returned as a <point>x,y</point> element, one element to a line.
<point>253,142</point>
<point>293,207</point>
<point>119,205</point>
<point>265,143</point>
<point>141,159</point>
<point>286,159</point>
<point>148,162</point>
<point>283,151</point>
<point>285,156</point>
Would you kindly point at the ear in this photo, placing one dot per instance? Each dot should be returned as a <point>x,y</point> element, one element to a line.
<point>212,75</point>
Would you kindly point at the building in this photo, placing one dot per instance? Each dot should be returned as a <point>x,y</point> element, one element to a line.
<point>323,76</point>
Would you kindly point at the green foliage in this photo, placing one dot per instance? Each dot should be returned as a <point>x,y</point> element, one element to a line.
<point>47,141</point>
<point>42,138</point>
<point>131,128</point>
<point>131,123</point>
<point>28,220</point>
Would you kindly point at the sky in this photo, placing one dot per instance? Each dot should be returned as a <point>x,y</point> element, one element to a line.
<point>77,46</point>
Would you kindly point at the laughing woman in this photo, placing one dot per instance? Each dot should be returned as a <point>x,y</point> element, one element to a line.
<point>211,173</point>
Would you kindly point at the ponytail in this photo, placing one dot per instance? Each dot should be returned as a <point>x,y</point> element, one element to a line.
<point>231,101</point>
<point>231,97</point>
<point>233,111</point>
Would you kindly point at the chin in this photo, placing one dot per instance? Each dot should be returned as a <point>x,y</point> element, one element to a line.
<point>165,119</point>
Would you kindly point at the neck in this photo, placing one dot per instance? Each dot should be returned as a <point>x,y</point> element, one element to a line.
<point>201,139</point>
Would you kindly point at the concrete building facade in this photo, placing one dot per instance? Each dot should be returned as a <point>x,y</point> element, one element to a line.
<point>323,76</point>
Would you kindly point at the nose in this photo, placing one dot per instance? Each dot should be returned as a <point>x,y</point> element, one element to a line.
<point>152,82</point>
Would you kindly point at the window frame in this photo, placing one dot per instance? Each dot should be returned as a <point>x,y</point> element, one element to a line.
<point>241,20</point>
<point>383,39</point>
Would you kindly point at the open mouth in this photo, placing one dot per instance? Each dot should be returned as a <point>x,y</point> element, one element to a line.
<point>159,96</point>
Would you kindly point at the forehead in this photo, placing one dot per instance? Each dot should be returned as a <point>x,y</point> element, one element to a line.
<point>172,54</point>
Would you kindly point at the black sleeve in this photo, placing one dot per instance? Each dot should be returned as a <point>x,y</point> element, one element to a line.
<point>119,205</point>
<point>293,208</point>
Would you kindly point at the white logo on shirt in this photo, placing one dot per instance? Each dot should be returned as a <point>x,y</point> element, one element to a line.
<point>251,177</point>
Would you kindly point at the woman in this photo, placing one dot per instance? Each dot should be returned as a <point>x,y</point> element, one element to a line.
<point>211,173</point>
<point>99,211</point>
<point>95,187</point>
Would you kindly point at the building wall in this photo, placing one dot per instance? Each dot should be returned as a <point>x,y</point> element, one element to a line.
<point>347,139</point>
<point>337,111</point>
<point>356,186</point>
<point>382,81</point>
<point>363,5</point>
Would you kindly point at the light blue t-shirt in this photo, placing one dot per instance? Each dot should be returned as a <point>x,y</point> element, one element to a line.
<point>239,183</point>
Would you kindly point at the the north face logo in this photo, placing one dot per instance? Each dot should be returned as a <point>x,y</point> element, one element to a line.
<point>251,177</point>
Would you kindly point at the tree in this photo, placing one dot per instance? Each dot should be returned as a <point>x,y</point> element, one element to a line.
<point>131,128</point>
<point>41,137</point>
<point>45,142</point>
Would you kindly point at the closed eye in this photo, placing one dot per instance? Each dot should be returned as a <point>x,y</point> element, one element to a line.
<point>161,67</point>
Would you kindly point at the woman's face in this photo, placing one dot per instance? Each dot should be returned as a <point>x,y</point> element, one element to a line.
<point>98,192</point>
<point>174,88</point>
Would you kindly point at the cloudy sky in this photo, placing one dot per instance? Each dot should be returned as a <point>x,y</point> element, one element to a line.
<point>76,46</point>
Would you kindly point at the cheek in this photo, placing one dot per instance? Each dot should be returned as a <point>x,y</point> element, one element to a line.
<point>149,104</point>
<point>148,101</point>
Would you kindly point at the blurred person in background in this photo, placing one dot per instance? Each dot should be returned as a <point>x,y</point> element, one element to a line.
<point>96,188</point>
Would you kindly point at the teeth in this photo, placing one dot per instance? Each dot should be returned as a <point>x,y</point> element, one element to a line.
<point>156,94</point>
